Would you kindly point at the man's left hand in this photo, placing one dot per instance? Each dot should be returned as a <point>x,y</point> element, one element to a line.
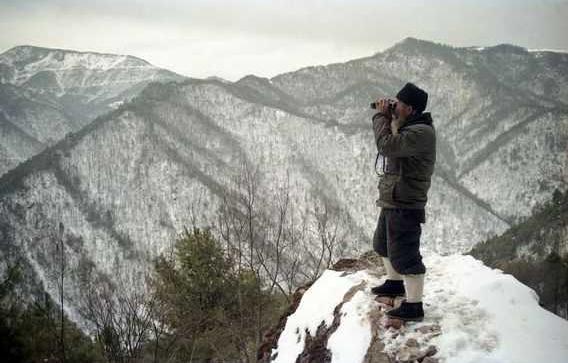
<point>396,124</point>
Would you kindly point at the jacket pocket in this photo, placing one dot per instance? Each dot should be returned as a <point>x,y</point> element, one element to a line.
<point>411,190</point>
<point>386,187</point>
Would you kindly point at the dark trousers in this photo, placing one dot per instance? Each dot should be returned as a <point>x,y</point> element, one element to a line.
<point>397,237</point>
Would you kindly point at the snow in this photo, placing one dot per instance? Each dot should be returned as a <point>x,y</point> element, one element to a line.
<point>116,104</point>
<point>317,305</point>
<point>524,331</point>
<point>59,59</point>
<point>77,70</point>
<point>549,50</point>
<point>354,324</point>
<point>485,316</point>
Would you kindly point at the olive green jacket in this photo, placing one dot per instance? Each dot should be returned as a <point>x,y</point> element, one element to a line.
<point>410,157</point>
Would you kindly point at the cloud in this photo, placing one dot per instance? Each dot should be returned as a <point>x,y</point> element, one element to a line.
<point>234,38</point>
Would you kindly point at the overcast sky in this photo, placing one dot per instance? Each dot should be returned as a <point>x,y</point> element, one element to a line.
<point>231,39</point>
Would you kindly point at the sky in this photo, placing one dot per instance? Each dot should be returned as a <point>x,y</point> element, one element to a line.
<point>231,39</point>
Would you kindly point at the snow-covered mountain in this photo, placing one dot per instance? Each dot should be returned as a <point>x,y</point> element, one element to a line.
<point>472,314</point>
<point>491,107</point>
<point>127,183</point>
<point>46,93</point>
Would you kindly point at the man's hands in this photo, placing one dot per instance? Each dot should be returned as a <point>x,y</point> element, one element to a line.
<point>383,107</point>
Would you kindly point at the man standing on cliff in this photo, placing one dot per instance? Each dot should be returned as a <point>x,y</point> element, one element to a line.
<point>406,139</point>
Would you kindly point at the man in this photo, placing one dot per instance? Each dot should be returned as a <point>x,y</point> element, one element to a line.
<point>406,139</point>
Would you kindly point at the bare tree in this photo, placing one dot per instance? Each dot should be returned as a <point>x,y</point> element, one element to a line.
<point>254,229</point>
<point>59,275</point>
<point>62,274</point>
<point>122,318</point>
<point>328,221</point>
<point>295,241</point>
<point>265,231</point>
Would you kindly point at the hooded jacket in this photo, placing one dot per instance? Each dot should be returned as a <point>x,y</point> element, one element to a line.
<point>410,158</point>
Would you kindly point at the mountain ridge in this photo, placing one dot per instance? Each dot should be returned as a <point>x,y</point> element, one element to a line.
<point>66,90</point>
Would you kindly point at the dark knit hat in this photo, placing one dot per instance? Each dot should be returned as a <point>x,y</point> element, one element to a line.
<point>413,96</point>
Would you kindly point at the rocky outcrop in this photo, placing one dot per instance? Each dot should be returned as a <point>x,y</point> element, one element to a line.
<point>270,339</point>
<point>318,346</point>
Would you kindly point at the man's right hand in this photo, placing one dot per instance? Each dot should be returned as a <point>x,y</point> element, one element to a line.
<point>383,107</point>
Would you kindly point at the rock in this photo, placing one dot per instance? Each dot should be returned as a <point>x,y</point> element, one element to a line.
<point>429,329</point>
<point>373,259</point>
<point>430,360</point>
<point>389,301</point>
<point>315,347</point>
<point>432,350</point>
<point>375,352</point>
<point>408,354</point>
<point>423,354</point>
<point>270,338</point>
<point>393,323</point>
<point>351,265</point>
<point>411,342</point>
<point>412,353</point>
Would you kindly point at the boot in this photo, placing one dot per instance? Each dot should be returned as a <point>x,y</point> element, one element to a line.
<point>391,288</point>
<point>407,311</point>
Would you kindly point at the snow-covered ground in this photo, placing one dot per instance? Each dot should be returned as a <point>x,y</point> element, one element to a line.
<point>484,316</point>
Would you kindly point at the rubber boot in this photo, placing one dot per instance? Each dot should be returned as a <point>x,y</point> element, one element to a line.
<point>407,311</point>
<point>393,286</point>
<point>411,308</point>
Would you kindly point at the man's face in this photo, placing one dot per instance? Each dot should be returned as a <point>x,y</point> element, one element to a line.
<point>402,110</point>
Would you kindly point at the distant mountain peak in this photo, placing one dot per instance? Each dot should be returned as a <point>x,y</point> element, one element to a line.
<point>411,42</point>
<point>218,79</point>
<point>507,48</point>
<point>59,70</point>
<point>411,45</point>
<point>25,55</point>
<point>47,93</point>
<point>252,77</point>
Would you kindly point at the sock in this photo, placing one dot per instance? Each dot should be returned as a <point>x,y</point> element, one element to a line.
<point>414,285</point>
<point>391,273</point>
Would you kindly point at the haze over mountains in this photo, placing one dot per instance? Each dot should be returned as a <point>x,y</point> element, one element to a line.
<point>126,183</point>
